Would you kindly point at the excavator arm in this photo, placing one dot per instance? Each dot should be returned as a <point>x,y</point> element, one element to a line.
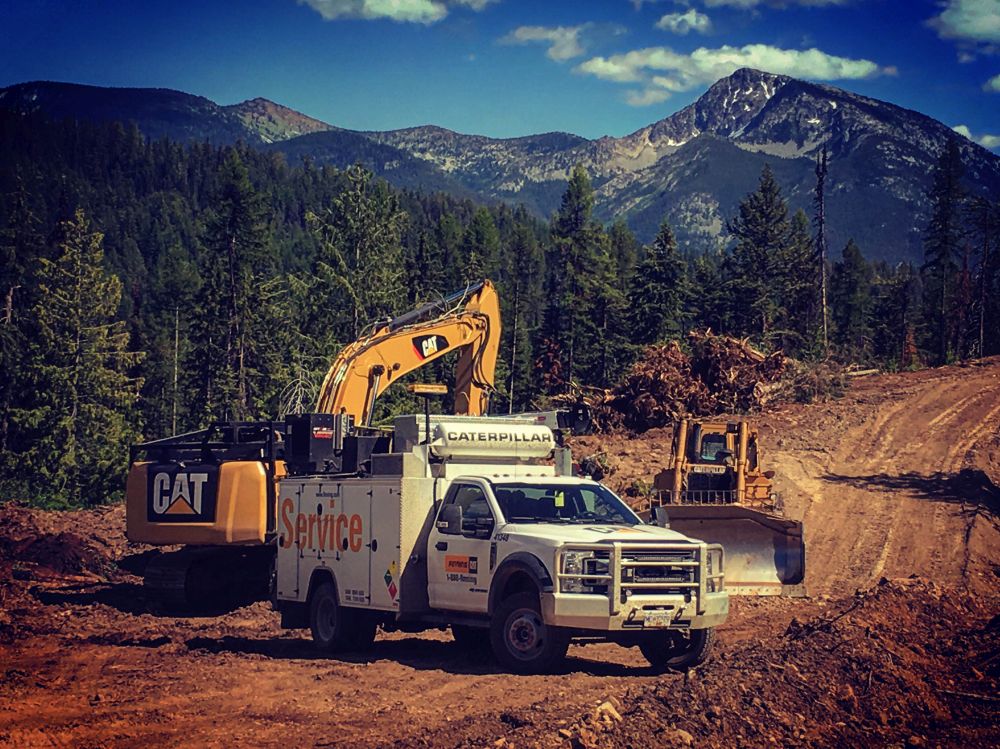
<point>467,321</point>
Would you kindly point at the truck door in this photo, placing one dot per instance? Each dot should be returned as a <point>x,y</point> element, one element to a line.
<point>458,560</point>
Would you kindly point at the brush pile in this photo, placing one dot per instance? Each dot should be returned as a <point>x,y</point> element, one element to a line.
<point>721,375</point>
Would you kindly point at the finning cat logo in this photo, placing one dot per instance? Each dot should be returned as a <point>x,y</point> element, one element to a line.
<point>428,345</point>
<point>181,495</point>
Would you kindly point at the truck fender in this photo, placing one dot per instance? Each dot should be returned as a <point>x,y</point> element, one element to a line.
<point>517,569</point>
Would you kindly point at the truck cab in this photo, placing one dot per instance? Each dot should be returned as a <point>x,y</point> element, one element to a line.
<point>468,525</point>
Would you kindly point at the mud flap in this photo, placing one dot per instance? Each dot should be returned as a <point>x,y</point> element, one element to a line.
<point>765,554</point>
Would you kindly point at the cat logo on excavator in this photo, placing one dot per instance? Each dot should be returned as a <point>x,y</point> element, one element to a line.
<point>177,494</point>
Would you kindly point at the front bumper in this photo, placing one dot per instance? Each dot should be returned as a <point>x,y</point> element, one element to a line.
<point>590,612</point>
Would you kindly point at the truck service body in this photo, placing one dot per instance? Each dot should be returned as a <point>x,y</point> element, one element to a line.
<point>473,528</point>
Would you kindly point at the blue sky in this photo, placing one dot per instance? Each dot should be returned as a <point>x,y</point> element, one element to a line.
<point>513,67</point>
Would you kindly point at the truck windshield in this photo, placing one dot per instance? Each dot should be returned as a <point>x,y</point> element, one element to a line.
<point>561,503</point>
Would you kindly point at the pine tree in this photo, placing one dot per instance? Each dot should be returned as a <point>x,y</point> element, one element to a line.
<point>819,219</point>
<point>361,244</point>
<point>624,251</point>
<point>761,231</point>
<point>79,424</point>
<point>943,248</point>
<point>480,248</point>
<point>20,247</point>
<point>231,347</point>
<point>794,289</point>
<point>523,314</point>
<point>659,293</point>
<point>584,320</point>
<point>851,300</point>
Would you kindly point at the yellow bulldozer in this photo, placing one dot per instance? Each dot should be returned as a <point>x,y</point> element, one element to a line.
<point>714,489</point>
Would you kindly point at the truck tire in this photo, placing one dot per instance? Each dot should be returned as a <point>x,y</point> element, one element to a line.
<point>679,650</point>
<point>333,627</point>
<point>521,639</point>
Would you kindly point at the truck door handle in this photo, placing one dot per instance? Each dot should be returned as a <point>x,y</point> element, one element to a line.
<point>441,546</point>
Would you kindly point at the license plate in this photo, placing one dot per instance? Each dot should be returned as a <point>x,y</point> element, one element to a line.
<point>708,469</point>
<point>657,620</point>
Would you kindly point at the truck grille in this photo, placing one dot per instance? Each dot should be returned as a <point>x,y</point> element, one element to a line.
<point>659,571</point>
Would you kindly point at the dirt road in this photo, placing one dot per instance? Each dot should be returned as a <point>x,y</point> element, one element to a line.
<point>897,478</point>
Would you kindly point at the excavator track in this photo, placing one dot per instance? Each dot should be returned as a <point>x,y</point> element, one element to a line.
<point>207,579</point>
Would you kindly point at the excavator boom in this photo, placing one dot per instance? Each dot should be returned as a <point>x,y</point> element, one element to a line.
<point>467,321</point>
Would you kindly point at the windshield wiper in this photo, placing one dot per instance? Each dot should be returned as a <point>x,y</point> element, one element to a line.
<point>539,520</point>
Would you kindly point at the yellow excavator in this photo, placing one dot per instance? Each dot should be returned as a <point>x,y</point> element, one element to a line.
<point>213,491</point>
<point>714,489</point>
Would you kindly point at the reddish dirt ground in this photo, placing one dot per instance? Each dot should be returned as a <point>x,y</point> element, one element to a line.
<point>898,644</point>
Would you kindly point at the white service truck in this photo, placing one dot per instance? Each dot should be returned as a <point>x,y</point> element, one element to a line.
<point>467,524</point>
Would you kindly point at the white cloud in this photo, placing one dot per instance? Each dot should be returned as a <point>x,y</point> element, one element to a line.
<point>661,67</point>
<point>682,23</point>
<point>407,11</point>
<point>777,3</point>
<point>985,140</point>
<point>646,97</point>
<point>993,84</point>
<point>564,41</point>
<point>969,20</point>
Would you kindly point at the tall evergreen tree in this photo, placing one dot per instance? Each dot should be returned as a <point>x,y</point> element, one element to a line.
<point>851,300</point>
<point>659,293</point>
<point>819,219</point>
<point>943,248</point>
<point>584,318</point>
<point>20,246</point>
<point>761,232</point>
<point>480,248</point>
<point>625,251</point>
<point>76,431</point>
<point>522,321</point>
<point>233,356</point>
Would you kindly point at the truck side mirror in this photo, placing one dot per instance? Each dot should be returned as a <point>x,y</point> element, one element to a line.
<point>449,521</point>
<point>660,516</point>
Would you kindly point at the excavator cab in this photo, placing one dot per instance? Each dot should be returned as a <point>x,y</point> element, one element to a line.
<point>715,490</point>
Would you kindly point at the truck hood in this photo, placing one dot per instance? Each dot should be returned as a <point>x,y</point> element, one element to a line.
<point>594,533</point>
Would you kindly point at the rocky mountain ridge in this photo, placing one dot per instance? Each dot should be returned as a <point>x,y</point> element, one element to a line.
<point>691,167</point>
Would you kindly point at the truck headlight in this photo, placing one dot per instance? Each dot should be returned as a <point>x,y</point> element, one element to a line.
<point>572,564</point>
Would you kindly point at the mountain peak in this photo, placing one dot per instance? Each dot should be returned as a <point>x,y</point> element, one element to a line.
<point>275,122</point>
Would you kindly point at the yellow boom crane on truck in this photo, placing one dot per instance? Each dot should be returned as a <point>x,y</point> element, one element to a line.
<point>213,491</point>
<point>714,489</point>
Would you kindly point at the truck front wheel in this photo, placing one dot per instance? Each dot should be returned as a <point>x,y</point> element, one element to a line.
<point>333,627</point>
<point>521,639</point>
<point>679,650</point>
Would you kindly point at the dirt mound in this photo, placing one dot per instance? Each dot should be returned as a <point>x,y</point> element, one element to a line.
<point>904,663</point>
<point>720,375</point>
<point>24,542</point>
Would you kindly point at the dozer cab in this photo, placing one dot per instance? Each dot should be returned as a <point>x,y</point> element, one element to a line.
<point>715,490</point>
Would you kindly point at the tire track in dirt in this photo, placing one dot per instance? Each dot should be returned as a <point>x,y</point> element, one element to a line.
<point>883,501</point>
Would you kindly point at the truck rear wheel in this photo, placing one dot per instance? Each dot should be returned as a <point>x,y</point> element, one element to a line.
<point>333,627</point>
<point>521,639</point>
<point>679,650</point>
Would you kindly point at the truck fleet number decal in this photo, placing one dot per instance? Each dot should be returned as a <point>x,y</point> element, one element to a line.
<point>326,532</point>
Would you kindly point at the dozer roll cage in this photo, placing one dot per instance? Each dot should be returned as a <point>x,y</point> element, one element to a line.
<point>467,321</point>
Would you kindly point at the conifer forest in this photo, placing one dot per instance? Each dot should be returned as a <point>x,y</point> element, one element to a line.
<point>150,287</point>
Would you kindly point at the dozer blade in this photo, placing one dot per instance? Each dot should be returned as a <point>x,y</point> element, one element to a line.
<point>765,554</point>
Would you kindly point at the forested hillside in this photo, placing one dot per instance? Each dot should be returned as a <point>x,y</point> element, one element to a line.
<point>150,287</point>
